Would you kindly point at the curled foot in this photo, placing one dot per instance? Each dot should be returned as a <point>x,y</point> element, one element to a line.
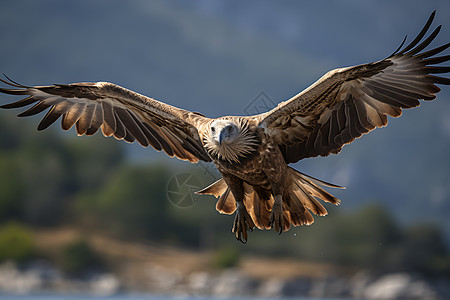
<point>242,221</point>
<point>276,217</point>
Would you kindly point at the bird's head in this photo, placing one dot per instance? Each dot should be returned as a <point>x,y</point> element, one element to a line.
<point>230,139</point>
<point>224,131</point>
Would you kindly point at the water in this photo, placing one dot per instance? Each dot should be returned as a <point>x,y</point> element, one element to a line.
<point>74,297</point>
<point>89,297</point>
<point>119,297</point>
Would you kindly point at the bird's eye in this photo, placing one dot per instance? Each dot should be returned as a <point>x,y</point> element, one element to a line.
<point>213,129</point>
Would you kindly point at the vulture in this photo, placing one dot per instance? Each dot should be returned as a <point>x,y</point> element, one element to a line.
<point>252,153</point>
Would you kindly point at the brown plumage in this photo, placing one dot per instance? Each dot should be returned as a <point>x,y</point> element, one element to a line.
<point>252,153</point>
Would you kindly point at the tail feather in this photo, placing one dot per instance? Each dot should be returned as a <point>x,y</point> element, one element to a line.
<point>299,200</point>
<point>310,202</point>
<point>226,203</point>
<point>295,219</point>
<point>300,219</point>
<point>287,220</point>
<point>299,215</point>
<point>316,181</point>
<point>302,194</point>
<point>292,202</point>
<point>216,189</point>
<point>312,185</point>
<point>259,210</point>
<point>219,189</point>
<point>309,219</point>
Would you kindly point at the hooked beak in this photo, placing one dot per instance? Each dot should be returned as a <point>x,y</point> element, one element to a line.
<point>223,135</point>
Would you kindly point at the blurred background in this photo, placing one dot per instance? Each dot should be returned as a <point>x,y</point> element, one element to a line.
<point>94,214</point>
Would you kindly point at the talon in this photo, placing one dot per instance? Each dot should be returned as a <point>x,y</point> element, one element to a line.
<point>281,224</point>
<point>242,222</point>
<point>276,217</point>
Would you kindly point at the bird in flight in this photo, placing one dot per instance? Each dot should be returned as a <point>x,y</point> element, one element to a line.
<point>252,153</point>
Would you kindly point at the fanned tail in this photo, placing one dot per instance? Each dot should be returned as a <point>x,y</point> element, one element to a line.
<point>299,200</point>
<point>302,198</point>
<point>219,189</point>
<point>258,202</point>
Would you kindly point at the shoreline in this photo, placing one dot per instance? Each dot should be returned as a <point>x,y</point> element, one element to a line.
<point>161,270</point>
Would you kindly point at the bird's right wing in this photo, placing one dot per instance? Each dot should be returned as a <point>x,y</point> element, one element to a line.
<point>346,103</point>
<point>119,112</point>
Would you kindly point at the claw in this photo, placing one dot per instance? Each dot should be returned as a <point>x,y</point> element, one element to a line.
<point>276,217</point>
<point>242,222</point>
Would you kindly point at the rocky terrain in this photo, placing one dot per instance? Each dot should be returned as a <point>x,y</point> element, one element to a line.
<point>229,283</point>
<point>162,270</point>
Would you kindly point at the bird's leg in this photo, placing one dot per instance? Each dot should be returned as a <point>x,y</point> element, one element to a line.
<point>276,216</point>
<point>242,221</point>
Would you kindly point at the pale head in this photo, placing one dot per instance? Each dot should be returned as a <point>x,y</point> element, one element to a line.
<point>224,131</point>
<point>230,139</point>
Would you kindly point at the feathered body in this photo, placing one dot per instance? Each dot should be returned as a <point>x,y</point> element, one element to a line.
<point>255,177</point>
<point>252,153</point>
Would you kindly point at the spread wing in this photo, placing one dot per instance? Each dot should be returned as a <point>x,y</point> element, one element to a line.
<point>346,103</point>
<point>119,112</point>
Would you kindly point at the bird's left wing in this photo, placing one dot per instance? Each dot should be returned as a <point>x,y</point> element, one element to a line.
<point>119,112</point>
<point>346,103</point>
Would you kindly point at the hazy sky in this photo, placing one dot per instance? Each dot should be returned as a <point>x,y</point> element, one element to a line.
<point>193,53</point>
<point>216,57</point>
